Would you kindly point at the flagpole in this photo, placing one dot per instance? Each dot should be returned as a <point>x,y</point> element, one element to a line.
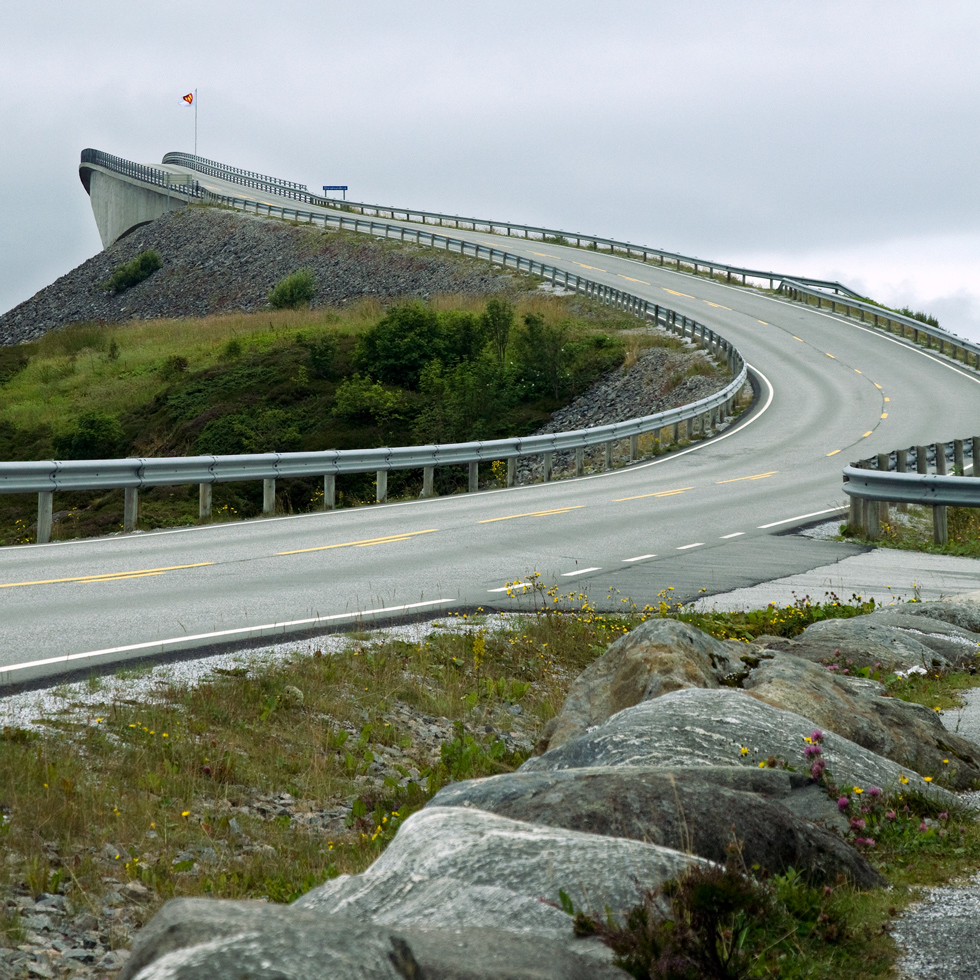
<point>195,124</point>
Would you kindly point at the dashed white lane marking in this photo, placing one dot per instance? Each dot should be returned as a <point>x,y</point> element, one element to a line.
<point>803,517</point>
<point>640,558</point>
<point>734,534</point>
<point>684,547</point>
<point>580,571</point>
<point>516,585</point>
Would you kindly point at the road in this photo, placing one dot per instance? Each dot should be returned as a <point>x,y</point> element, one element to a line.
<point>707,518</point>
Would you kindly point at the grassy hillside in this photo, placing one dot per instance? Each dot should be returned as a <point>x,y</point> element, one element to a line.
<point>359,376</point>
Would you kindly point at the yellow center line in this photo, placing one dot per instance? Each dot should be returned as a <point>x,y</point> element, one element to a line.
<point>718,306</point>
<point>763,322</point>
<point>884,415</point>
<point>868,433</point>
<point>631,279</point>
<point>532,513</point>
<point>107,576</point>
<point>120,578</point>
<point>856,371</point>
<point>594,268</point>
<point>673,292</point>
<point>800,339</point>
<point>878,386</point>
<point>834,453</point>
<point>390,538</point>
<point>830,355</point>
<point>545,255</point>
<point>662,493</point>
<point>887,399</point>
<point>758,476</point>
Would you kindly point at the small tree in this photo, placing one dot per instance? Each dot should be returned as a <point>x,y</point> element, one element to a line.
<point>293,291</point>
<point>497,319</point>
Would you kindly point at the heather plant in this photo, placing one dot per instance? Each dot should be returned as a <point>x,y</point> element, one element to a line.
<point>294,291</point>
<point>129,274</point>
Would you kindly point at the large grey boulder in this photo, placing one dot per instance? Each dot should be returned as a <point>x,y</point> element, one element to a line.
<point>863,641</point>
<point>958,645</point>
<point>909,734</point>
<point>658,656</point>
<point>677,809</point>
<point>709,728</point>
<point>474,868</point>
<point>962,611</point>
<point>190,938</point>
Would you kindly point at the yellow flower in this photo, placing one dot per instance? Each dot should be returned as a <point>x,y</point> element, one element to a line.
<point>857,789</point>
<point>744,750</point>
<point>928,779</point>
<point>186,813</point>
<point>762,765</point>
<point>945,762</point>
<point>903,779</point>
<point>164,735</point>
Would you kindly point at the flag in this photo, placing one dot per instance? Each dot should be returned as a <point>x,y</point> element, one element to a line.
<point>189,98</point>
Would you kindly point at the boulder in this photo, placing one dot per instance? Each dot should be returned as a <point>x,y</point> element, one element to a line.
<point>676,809</point>
<point>909,734</point>
<point>467,853</point>
<point>709,728</point>
<point>658,656</point>
<point>962,611</point>
<point>958,645</point>
<point>191,938</point>
<point>859,642</point>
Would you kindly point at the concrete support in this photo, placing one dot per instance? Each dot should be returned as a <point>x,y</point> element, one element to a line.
<point>381,487</point>
<point>131,496</point>
<point>634,448</point>
<point>474,482</point>
<point>329,491</point>
<point>268,497</point>
<point>548,466</point>
<point>580,461</point>
<point>608,458</point>
<point>511,471</point>
<point>203,500</point>
<point>428,481</point>
<point>45,508</point>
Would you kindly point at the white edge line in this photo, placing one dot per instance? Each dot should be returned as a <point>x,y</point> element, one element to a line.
<point>581,571</point>
<point>735,534</point>
<point>516,585</point>
<point>639,558</point>
<point>684,547</point>
<point>802,517</point>
<point>178,642</point>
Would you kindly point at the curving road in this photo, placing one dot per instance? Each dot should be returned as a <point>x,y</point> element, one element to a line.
<point>709,517</point>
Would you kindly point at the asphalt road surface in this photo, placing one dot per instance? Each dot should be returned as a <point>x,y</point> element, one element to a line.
<point>710,517</point>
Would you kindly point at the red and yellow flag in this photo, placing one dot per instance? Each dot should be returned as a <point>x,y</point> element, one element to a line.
<point>189,98</point>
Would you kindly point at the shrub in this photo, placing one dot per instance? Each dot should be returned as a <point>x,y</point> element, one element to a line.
<point>293,291</point>
<point>322,354</point>
<point>400,345</point>
<point>268,431</point>
<point>130,274</point>
<point>96,435</point>
<point>360,399</point>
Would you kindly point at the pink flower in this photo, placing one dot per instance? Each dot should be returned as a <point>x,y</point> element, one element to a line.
<point>832,667</point>
<point>890,815</point>
<point>816,735</point>
<point>817,769</point>
<point>874,791</point>
<point>843,803</point>
<point>944,815</point>
<point>857,824</point>
<point>923,827</point>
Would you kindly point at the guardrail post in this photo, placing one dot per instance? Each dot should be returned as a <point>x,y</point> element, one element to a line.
<point>902,466</point>
<point>45,508</point>
<point>474,482</point>
<point>675,433</point>
<point>548,465</point>
<point>511,471</point>
<point>884,465</point>
<point>204,500</point>
<point>940,527</point>
<point>976,455</point>
<point>329,491</point>
<point>580,460</point>
<point>428,481</point>
<point>130,508</point>
<point>268,496</point>
<point>607,461</point>
<point>634,448</point>
<point>921,460</point>
<point>958,460</point>
<point>690,429</point>
<point>381,494</point>
<point>941,458</point>
<point>855,517</point>
<point>873,520</point>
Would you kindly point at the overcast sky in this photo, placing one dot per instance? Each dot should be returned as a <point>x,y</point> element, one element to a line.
<point>832,139</point>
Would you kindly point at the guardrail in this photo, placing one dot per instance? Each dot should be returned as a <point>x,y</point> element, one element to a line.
<point>597,242</point>
<point>960,349</point>
<point>139,171</point>
<point>917,475</point>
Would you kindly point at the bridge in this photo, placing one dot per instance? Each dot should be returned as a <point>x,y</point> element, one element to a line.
<point>835,380</point>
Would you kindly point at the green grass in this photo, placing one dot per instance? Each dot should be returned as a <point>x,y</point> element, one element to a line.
<point>914,532</point>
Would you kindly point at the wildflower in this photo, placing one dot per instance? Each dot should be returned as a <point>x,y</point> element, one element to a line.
<point>857,823</point>
<point>944,815</point>
<point>843,803</point>
<point>744,750</point>
<point>858,790</point>
<point>928,779</point>
<point>816,735</point>
<point>923,826</point>
<point>903,779</point>
<point>890,815</point>
<point>874,791</point>
<point>186,813</point>
<point>945,762</point>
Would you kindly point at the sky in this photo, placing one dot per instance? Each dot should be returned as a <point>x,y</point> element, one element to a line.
<point>829,139</point>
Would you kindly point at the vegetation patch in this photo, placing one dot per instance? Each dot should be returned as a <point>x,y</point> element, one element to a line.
<point>914,531</point>
<point>132,273</point>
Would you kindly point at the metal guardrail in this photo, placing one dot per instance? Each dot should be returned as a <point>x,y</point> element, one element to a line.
<point>139,171</point>
<point>301,193</point>
<point>287,188</point>
<point>917,475</point>
<point>879,316</point>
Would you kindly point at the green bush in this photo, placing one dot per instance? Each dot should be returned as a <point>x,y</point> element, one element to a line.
<point>130,274</point>
<point>96,435</point>
<point>293,291</point>
<point>361,400</point>
<point>269,430</point>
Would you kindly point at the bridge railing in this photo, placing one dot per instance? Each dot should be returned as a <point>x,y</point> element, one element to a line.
<point>46,477</point>
<point>138,171</point>
<point>917,475</point>
<point>286,188</point>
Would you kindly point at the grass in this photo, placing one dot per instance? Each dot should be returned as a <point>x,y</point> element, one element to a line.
<point>913,532</point>
<point>183,784</point>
